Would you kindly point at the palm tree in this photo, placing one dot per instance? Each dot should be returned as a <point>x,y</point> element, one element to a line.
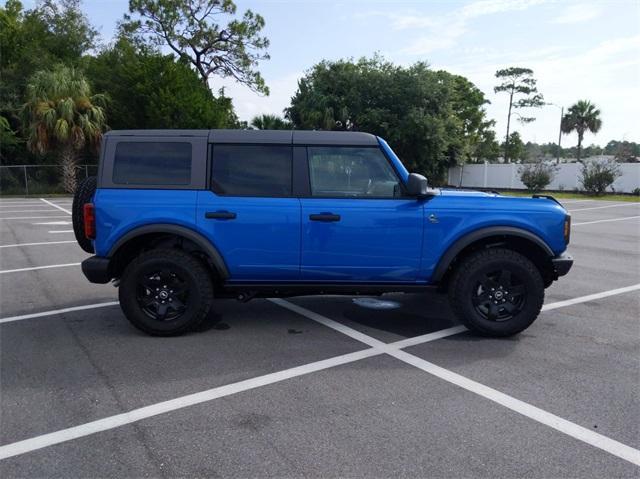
<point>270,122</point>
<point>581,117</point>
<point>63,117</point>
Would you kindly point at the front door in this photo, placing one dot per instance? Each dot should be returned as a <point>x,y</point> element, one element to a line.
<point>250,214</point>
<point>356,226</point>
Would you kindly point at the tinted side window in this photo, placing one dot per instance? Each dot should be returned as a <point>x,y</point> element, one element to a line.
<point>150,163</point>
<point>252,170</point>
<point>351,172</point>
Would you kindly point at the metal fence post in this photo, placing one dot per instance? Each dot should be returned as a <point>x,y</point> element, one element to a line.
<point>86,171</point>
<point>26,182</point>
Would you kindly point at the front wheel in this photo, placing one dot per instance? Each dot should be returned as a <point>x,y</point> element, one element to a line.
<point>496,292</point>
<point>165,292</point>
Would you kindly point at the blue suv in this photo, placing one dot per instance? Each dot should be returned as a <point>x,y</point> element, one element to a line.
<point>177,218</point>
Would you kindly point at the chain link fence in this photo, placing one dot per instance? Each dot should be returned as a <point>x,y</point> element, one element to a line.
<point>37,179</point>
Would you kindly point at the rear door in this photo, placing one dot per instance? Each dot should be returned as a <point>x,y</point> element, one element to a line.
<point>356,224</point>
<point>249,212</point>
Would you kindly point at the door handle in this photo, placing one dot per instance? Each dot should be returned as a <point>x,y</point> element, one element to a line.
<point>326,217</point>
<point>220,215</point>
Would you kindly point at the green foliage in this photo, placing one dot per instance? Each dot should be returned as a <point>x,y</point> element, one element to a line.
<point>151,90</point>
<point>270,122</point>
<point>8,138</point>
<point>537,176</point>
<point>597,176</point>
<point>487,148</point>
<point>514,149</point>
<point>62,115</point>
<point>432,119</point>
<point>196,31</point>
<point>521,87</point>
<point>581,117</point>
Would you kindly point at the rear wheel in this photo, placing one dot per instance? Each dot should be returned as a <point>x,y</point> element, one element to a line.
<point>166,292</point>
<point>84,194</point>
<point>496,292</point>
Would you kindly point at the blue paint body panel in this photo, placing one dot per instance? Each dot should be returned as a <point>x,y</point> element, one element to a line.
<point>396,240</point>
<point>263,241</point>
<point>375,240</point>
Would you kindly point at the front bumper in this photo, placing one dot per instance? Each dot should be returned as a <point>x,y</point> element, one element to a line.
<point>562,263</point>
<point>96,269</point>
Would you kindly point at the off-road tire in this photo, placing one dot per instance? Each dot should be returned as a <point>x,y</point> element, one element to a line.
<point>84,194</point>
<point>191,269</point>
<point>463,284</point>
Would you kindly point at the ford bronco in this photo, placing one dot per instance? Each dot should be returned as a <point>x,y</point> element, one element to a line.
<point>177,218</point>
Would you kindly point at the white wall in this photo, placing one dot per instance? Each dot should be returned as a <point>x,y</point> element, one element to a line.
<point>567,178</point>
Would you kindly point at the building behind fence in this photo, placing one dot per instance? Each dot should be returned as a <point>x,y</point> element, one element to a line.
<point>37,179</point>
<point>507,176</point>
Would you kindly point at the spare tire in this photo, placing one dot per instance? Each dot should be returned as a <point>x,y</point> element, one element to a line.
<point>84,194</point>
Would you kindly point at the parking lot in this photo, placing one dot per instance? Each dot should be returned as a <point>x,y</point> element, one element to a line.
<point>317,386</point>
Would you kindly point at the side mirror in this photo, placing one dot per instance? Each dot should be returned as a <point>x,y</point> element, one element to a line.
<point>417,186</point>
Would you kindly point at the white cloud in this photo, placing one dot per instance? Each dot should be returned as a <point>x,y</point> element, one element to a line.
<point>578,13</point>
<point>444,31</point>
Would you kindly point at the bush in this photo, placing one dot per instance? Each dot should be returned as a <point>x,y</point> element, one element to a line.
<point>597,176</point>
<point>537,176</point>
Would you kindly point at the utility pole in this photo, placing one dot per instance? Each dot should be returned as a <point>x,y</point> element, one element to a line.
<point>560,134</point>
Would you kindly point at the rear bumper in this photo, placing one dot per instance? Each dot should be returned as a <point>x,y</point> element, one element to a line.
<point>562,263</point>
<point>96,269</point>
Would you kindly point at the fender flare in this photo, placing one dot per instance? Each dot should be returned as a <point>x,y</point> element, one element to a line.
<point>447,258</point>
<point>197,238</point>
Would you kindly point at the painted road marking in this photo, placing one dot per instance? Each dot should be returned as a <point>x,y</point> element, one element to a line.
<point>135,415</point>
<point>590,297</point>
<point>528,410</point>
<point>32,217</point>
<point>603,207</point>
<point>51,266</point>
<point>11,319</point>
<point>605,221</point>
<point>60,231</point>
<point>56,206</point>
<point>55,223</point>
<point>36,244</point>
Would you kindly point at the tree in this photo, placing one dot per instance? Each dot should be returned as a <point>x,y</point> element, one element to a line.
<point>270,122</point>
<point>523,93</point>
<point>62,115</point>
<point>581,117</point>
<point>195,31</point>
<point>432,119</point>
<point>30,40</point>
<point>147,89</point>
<point>487,147</point>
<point>514,148</point>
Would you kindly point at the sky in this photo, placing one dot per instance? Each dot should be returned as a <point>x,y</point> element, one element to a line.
<point>577,50</point>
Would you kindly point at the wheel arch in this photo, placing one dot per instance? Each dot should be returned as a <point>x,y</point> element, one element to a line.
<point>521,240</point>
<point>133,239</point>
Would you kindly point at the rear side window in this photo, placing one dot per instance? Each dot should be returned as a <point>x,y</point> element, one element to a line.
<point>252,170</point>
<point>152,163</point>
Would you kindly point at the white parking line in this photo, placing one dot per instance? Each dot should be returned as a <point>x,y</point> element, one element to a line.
<point>18,245</point>
<point>32,217</point>
<point>532,412</point>
<point>605,221</point>
<point>112,422</point>
<point>55,206</point>
<point>32,210</point>
<point>11,319</point>
<point>61,231</point>
<point>6,271</point>
<point>603,207</point>
<point>135,415</point>
<point>590,297</point>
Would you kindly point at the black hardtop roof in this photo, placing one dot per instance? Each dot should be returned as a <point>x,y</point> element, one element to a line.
<point>294,137</point>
